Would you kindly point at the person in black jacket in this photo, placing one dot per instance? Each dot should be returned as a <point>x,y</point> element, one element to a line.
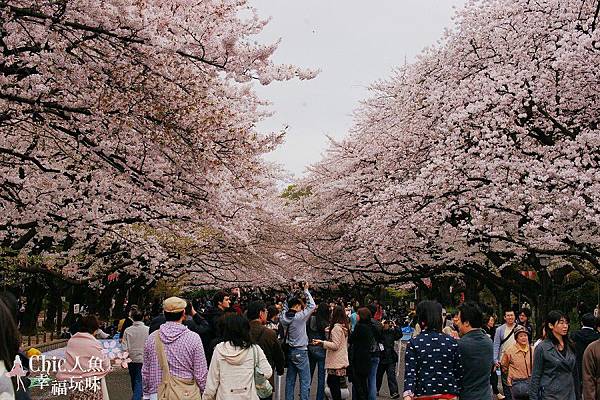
<point>389,358</point>
<point>220,302</point>
<point>582,338</point>
<point>194,321</point>
<point>361,343</point>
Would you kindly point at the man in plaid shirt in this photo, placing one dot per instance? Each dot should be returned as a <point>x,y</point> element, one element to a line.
<point>185,354</point>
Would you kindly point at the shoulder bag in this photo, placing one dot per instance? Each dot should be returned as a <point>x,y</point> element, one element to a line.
<point>172,387</point>
<point>263,386</point>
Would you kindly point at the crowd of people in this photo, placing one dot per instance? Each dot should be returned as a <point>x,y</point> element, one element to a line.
<point>233,351</point>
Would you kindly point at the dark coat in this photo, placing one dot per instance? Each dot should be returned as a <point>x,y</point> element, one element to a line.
<point>157,322</point>
<point>211,316</point>
<point>267,340</point>
<point>388,339</point>
<point>582,338</point>
<point>196,324</point>
<point>553,374</point>
<point>361,341</point>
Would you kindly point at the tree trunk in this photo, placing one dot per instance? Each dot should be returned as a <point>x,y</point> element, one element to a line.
<point>76,297</point>
<point>35,298</point>
<point>105,301</point>
<point>119,311</point>
<point>54,308</point>
<point>472,288</point>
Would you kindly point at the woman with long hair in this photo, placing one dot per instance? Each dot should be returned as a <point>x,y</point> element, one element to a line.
<point>362,340</point>
<point>336,345</point>
<point>554,362</point>
<point>432,366</point>
<point>9,347</point>
<point>234,361</point>
<point>315,329</point>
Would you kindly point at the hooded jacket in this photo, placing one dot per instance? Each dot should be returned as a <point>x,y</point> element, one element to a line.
<point>231,373</point>
<point>185,356</point>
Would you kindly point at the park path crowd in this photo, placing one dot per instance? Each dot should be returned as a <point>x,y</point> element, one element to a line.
<point>233,351</point>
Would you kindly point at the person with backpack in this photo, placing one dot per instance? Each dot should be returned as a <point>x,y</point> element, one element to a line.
<point>174,362</point>
<point>503,339</point>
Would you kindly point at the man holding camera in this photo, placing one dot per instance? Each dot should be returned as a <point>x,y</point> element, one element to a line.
<point>293,320</point>
<point>389,357</point>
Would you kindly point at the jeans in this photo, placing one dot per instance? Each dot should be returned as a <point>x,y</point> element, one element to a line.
<point>316,357</point>
<point>297,365</point>
<point>372,385</point>
<point>135,373</point>
<point>505,387</point>
<point>390,370</point>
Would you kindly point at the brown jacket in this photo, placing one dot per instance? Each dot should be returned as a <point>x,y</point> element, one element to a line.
<point>517,362</point>
<point>591,372</point>
<point>267,340</point>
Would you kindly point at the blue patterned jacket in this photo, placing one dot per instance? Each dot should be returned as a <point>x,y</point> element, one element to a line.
<point>432,365</point>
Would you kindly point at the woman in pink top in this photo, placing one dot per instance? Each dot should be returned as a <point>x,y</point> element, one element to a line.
<point>336,359</point>
<point>85,365</point>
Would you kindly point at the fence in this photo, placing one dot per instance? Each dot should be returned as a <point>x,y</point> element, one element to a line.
<point>45,341</point>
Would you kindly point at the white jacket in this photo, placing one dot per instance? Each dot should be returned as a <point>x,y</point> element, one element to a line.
<point>231,373</point>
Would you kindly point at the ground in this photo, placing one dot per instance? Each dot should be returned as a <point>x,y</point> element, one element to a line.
<point>119,387</point>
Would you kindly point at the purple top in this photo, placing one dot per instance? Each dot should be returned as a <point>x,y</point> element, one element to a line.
<point>185,356</point>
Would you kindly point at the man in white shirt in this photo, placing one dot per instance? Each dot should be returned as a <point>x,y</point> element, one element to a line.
<point>503,339</point>
<point>134,339</point>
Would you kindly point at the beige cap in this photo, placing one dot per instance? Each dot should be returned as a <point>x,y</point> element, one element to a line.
<point>174,304</point>
<point>520,329</point>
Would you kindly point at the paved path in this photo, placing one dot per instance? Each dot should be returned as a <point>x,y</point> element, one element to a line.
<point>119,387</point>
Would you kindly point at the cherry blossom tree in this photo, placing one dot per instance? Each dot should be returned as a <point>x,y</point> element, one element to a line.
<point>128,137</point>
<point>481,159</point>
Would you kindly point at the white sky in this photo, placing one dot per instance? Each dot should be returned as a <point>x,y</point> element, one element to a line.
<point>354,43</point>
